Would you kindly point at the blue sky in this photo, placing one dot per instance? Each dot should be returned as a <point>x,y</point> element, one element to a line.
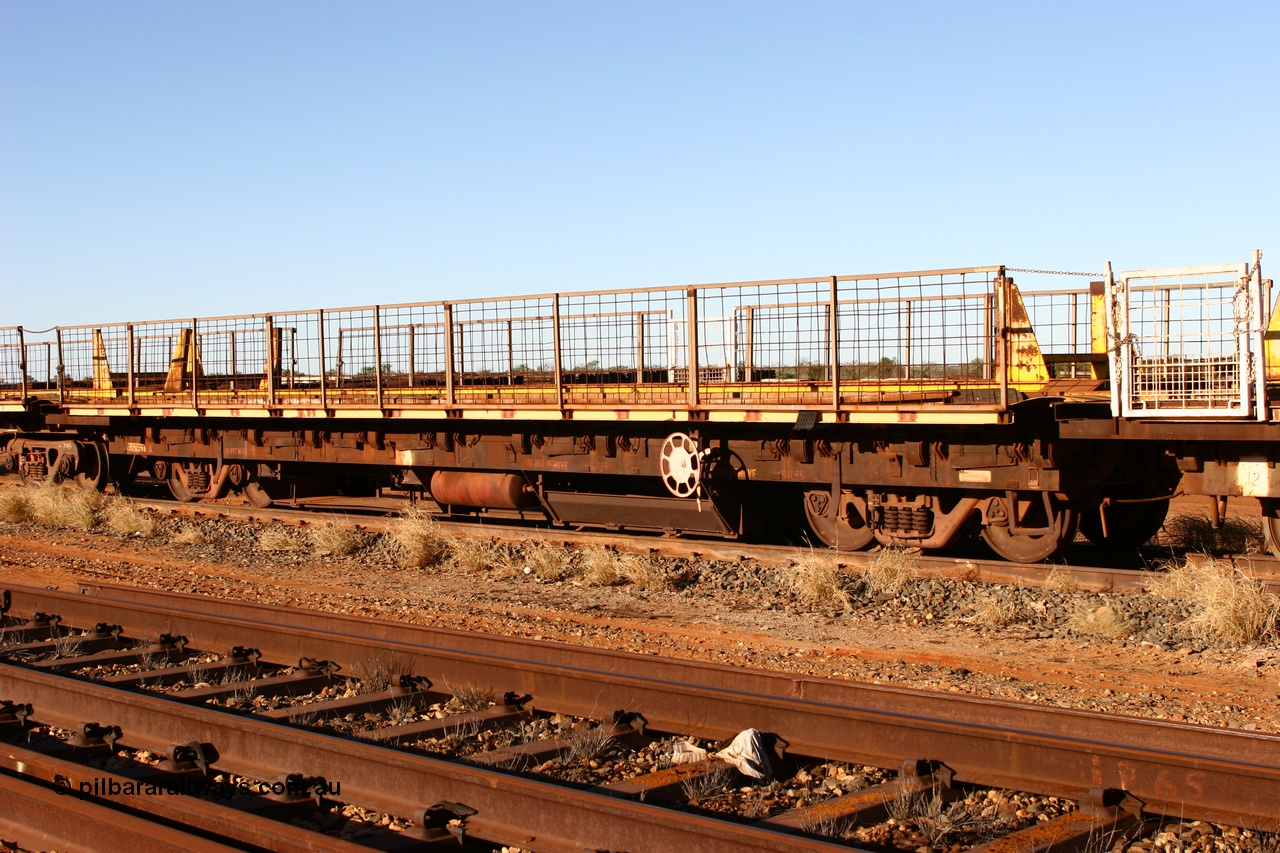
<point>163,159</point>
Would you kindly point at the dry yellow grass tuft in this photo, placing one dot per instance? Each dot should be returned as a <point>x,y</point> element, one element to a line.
<point>890,569</point>
<point>278,539</point>
<point>1101,621</point>
<point>468,699</point>
<point>121,515</point>
<point>600,567</point>
<point>189,535</point>
<point>15,506</point>
<point>376,674</point>
<point>1228,606</point>
<point>63,506</point>
<point>641,573</point>
<point>1060,580</point>
<point>416,540</point>
<point>336,539</point>
<point>478,555</point>
<point>994,612</point>
<point>548,561</point>
<point>814,578</point>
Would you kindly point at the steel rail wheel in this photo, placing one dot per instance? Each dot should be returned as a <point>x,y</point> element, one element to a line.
<point>1271,523</point>
<point>1128,524</point>
<point>843,534</point>
<point>256,494</point>
<point>1047,527</point>
<point>91,472</point>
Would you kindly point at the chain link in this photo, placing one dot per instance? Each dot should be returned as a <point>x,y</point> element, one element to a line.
<point>1055,272</point>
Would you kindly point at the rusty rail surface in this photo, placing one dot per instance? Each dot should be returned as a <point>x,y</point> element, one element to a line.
<point>41,816</point>
<point>1182,770</point>
<point>510,809</point>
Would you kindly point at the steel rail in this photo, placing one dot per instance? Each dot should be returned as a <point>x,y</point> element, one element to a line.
<point>372,515</point>
<point>990,570</point>
<point>1191,771</point>
<point>43,819</point>
<point>510,809</point>
<point>206,818</point>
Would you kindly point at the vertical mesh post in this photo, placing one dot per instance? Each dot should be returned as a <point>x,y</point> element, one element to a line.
<point>193,359</point>
<point>556,354</point>
<point>835,344</point>
<point>692,320</point>
<point>448,355</point>
<point>324,381</point>
<point>271,360</point>
<point>62,369</point>
<point>377,352</point>
<point>1002,334</point>
<point>1258,323</point>
<point>130,389</point>
<point>22,364</point>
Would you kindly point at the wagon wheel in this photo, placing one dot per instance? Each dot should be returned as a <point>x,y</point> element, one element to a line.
<point>189,484</point>
<point>1034,511</point>
<point>256,494</point>
<point>1128,524</point>
<point>91,473</point>
<point>681,465</point>
<point>843,534</point>
<point>1271,523</point>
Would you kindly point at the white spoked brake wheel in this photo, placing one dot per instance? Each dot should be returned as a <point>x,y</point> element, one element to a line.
<point>681,465</point>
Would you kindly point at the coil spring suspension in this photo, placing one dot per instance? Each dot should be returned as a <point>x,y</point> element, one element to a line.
<point>34,465</point>
<point>198,480</point>
<point>908,519</point>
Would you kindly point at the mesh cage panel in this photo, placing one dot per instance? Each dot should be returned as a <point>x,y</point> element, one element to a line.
<point>919,338</point>
<point>1188,350</point>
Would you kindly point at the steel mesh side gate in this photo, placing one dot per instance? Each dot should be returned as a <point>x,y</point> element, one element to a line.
<point>1187,342</point>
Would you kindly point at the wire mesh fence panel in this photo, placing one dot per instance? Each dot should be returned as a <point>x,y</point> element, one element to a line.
<point>625,347</point>
<point>1065,328</point>
<point>927,338</point>
<point>1185,341</point>
<point>42,369</point>
<point>764,343</point>
<point>413,355</point>
<point>166,361</point>
<point>351,361</point>
<point>1061,319</point>
<point>231,357</point>
<point>11,361</point>
<point>504,351</point>
<point>296,366</point>
<point>95,364</point>
<point>902,338</point>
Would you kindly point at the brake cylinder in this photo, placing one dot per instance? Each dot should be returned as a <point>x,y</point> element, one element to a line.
<point>491,491</point>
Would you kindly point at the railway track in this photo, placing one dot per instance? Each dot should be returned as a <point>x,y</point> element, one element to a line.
<point>1131,574</point>
<point>116,688</point>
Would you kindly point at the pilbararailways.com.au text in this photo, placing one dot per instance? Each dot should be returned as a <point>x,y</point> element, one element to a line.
<point>191,787</point>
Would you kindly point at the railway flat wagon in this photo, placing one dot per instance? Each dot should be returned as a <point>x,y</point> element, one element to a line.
<point>909,408</point>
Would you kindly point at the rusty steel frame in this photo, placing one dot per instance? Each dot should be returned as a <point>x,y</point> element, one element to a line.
<point>1191,771</point>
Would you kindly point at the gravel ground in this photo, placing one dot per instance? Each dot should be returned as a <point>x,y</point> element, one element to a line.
<point>1115,652</point>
